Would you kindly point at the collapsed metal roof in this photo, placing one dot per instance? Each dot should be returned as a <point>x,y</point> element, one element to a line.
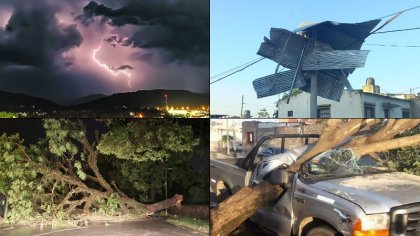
<point>330,48</point>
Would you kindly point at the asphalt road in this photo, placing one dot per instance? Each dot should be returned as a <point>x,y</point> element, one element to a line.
<point>146,227</point>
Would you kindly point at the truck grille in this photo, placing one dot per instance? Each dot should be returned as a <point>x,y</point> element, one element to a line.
<point>405,220</point>
<point>413,224</point>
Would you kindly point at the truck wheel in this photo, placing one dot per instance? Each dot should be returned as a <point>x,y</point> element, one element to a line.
<point>321,230</point>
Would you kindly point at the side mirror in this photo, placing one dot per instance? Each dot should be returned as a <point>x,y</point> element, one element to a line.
<point>280,177</point>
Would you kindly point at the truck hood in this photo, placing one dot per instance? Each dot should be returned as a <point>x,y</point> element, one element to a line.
<point>375,193</point>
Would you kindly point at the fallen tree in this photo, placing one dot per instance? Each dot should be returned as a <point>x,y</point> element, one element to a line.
<point>60,174</point>
<point>337,133</point>
<point>170,202</point>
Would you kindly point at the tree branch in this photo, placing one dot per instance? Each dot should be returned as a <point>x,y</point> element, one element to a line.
<point>382,146</point>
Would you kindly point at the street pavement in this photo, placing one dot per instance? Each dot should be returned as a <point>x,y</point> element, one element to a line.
<point>146,227</point>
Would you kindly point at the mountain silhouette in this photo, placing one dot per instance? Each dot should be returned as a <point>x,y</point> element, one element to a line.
<point>21,102</point>
<point>131,100</point>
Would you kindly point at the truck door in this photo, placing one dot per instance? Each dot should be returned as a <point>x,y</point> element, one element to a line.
<point>278,216</point>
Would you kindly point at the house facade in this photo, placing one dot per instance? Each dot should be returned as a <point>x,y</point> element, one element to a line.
<point>365,103</point>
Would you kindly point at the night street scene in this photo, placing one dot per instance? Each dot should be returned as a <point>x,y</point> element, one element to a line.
<point>104,58</point>
<point>104,177</point>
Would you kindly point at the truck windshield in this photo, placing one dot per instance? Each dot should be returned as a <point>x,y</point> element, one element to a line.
<point>338,163</point>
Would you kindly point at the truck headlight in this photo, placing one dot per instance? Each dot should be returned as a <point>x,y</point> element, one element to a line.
<point>377,224</point>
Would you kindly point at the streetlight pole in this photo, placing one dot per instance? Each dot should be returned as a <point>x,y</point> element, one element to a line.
<point>166,187</point>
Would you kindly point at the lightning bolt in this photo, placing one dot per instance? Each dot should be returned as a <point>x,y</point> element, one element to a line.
<point>108,68</point>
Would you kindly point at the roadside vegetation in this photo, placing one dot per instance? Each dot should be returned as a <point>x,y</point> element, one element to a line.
<point>200,225</point>
<point>80,169</point>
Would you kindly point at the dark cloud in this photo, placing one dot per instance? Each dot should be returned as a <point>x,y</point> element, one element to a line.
<point>43,53</point>
<point>56,85</point>
<point>123,67</point>
<point>34,37</point>
<point>180,27</point>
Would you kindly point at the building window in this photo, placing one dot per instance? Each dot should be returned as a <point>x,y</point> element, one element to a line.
<point>405,113</point>
<point>250,137</point>
<point>289,113</point>
<point>386,113</point>
<point>324,112</point>
<point>369,110</point>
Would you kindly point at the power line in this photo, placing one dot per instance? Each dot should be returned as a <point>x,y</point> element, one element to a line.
<point>398,30</point>
<point>392,45</point>
<point>259,105</point>
<point>237,70</point>
<point>409,90</point>
<point>398,12</point>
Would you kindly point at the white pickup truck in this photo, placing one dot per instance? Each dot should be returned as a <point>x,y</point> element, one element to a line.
<point>334,193</point>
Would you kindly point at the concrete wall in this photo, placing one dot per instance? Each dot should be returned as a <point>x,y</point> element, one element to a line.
<point>415,108</point>
<point>395,112</point>
<point>218,130</point>
<point>350,106</point>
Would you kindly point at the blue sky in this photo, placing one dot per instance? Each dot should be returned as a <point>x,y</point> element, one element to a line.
<point>238,28</point>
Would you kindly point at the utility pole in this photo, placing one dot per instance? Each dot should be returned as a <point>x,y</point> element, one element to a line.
<point>313,102</point>
<point>242,107</point>
<point>234,140</point>
<point>166,187</point>
<point>227,137</point>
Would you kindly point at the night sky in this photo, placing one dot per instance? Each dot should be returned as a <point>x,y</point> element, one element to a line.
<point>64,49</point>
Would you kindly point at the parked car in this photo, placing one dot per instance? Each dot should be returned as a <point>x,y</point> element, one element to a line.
<point>239,147</point>
<point>334,193</point>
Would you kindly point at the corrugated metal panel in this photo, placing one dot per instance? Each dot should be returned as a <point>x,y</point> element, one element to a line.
<point>340,35</point>
<point>332,50</point>
<point>276,83</point>
<point>329,87</point>
<point>283,47</point>
<point>336,59</point>
<point>267,50</point>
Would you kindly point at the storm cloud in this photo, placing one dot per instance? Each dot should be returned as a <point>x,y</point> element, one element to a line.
<point>64,49</point>
<point>34,37</point>
<point>179,27</point>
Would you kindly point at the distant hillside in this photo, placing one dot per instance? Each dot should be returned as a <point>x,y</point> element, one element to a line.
<point>16,102</point>
<point>85,99</point>
<point>148,98</point>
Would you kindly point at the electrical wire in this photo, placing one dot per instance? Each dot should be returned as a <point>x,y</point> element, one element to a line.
<point>392,45</point>
<point>237,70</point>
<point>409,90</point>
<point>398,30</point>
<point>398,12</point>
<point>259,105</point>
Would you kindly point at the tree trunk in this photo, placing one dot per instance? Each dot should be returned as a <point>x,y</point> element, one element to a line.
<point>387,132</point>
<point>173,201</point>
<point>236,209</point>
<point>152,194</point>
<point>387,145</point>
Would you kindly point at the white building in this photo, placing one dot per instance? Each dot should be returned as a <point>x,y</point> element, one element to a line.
<point>355,104</point>
<point>225,127</point>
